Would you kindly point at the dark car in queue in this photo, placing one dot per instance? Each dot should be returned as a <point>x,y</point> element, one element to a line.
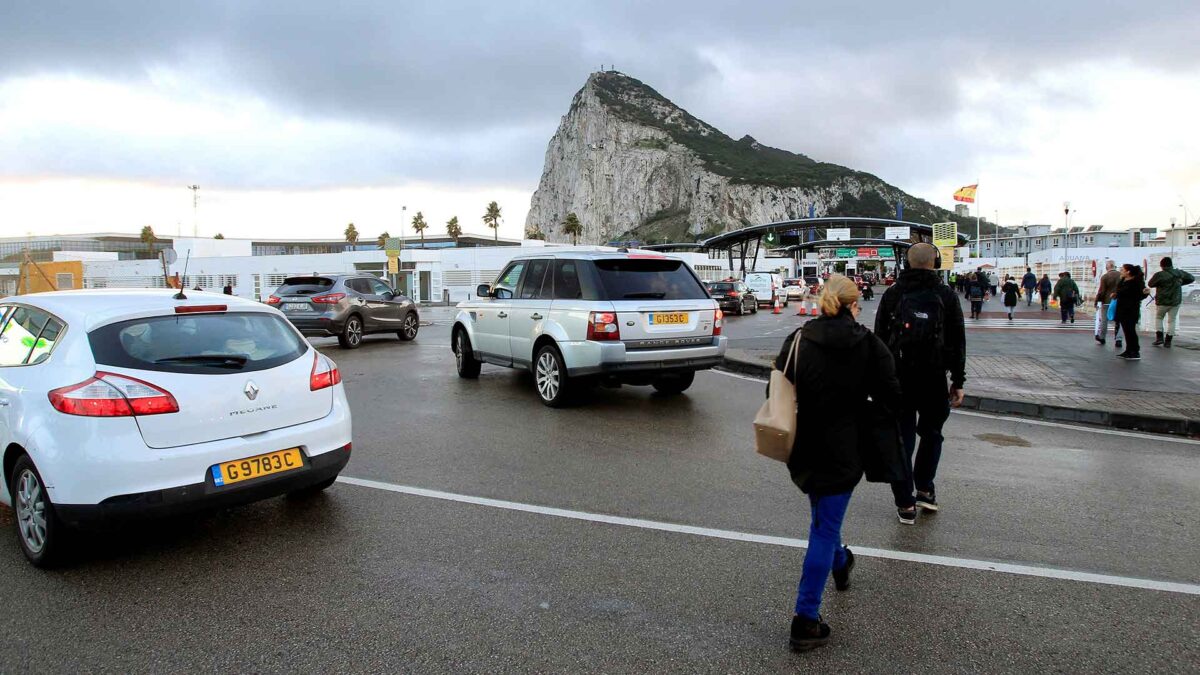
<point>734,297</point>
<point>347,307</point>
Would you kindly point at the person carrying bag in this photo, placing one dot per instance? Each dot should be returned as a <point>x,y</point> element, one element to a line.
<point>833,363</point>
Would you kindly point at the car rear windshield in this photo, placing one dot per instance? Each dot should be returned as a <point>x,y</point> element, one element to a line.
<point>648,279</point>
<point>720,287</point>
<point>202,344</point>
<point>305,286</point>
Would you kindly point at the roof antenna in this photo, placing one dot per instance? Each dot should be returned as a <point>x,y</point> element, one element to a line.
<point>183,280</point>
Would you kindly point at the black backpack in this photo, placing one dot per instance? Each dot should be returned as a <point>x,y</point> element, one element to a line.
<point>917,335</point>
<point>976,291</point>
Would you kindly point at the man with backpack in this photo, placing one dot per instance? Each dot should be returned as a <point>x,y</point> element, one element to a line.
<point>1029,284</point>
<point>1169,282</point>
<point>921,321</point>
<point>1066,291</point>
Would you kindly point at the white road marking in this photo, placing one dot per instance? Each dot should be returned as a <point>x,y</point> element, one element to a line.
<point>1025,420</point>
<point>886,554</point>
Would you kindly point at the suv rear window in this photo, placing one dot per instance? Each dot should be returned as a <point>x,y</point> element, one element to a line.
<point>201,344</point>
<point>720,287</point>
<point>648,279</point>
<point>305,286</point>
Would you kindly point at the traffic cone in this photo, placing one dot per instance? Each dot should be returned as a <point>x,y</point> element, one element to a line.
<point>777,308</point>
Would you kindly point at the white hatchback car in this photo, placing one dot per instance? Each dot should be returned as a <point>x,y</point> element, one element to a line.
<point>120,403</point>
<point>580,317</point>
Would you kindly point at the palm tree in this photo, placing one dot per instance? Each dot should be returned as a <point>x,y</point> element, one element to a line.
<point>351,235</point>
<point>492,219</point>
<point>454,229</point>
<point>218,236</point>
<point>419,226</point>
<point>148,238</point>
<point>381,240</point>
<point>573,227</point>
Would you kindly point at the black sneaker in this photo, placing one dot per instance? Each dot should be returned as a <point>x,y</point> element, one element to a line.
<point>927,502</point>
<point>907,516</point>
<point>808,634</point>
<point>1118,345</point>
<point>841,578</point>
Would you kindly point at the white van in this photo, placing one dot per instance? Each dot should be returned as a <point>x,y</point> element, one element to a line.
<point>766,286</point>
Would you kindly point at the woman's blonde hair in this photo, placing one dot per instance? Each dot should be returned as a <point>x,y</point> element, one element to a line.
<point>838,292</point>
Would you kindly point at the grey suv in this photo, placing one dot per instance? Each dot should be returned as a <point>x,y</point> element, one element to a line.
<point>346,306</point>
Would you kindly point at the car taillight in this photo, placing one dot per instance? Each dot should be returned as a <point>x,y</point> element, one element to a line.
<point>602,326</point>
<point>112,395</point>
<point>718,319</point>
<point>328,299</point>
<point>734,294</point>
<point>273,300</point>
<point>200,309</point>
<point>325,378</point>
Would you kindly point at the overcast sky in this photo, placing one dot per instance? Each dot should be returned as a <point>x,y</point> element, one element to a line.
<point>297,117</point>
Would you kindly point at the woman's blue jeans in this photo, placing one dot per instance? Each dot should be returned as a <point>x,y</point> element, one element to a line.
<point>825,551</point>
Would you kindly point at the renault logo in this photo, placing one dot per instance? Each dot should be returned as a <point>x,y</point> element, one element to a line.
<point>251,390</point>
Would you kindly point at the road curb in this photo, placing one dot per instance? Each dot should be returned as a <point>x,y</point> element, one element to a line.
<point>1176,426</point>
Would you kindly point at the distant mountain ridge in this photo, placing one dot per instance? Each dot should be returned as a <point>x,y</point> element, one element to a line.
<point>633,165</point>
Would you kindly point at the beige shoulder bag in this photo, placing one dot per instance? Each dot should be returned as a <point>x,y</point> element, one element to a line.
<point>775,423</point>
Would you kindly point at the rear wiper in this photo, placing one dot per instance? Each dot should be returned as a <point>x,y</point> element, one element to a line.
<point>216,360</point>
<point>647,294</point>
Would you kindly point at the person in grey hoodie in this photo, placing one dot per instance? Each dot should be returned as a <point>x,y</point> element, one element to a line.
<point>1104,295</point>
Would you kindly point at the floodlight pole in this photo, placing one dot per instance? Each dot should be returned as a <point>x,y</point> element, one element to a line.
<point>195,206</point>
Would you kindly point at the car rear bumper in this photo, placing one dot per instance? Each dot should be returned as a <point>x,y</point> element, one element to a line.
<point>729,305</point>
<point>593,358</point>
<point>316,326</point>
<point>206,495</point>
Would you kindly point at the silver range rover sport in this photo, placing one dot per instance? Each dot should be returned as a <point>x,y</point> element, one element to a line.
<point>578,318</point>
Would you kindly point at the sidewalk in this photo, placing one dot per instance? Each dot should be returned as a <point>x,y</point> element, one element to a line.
<point>1061,375</point>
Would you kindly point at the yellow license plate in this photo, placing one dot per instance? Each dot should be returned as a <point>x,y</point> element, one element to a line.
<point>668,318</point>
<point>260,465</point>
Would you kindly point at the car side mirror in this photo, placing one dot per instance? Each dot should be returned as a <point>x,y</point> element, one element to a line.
<point>483,291</point>
<point>389,296</point>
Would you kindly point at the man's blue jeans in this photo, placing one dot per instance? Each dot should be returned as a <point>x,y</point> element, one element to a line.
<point>825,551</point>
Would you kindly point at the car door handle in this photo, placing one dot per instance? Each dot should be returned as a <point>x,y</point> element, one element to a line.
<point>535,316</point>
<point>503,315</point>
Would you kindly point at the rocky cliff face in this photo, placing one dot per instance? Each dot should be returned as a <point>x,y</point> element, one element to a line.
<point>631,164</point>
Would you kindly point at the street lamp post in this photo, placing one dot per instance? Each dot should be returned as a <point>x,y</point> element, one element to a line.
<point>1066,233</point>
<point>1171,236</point>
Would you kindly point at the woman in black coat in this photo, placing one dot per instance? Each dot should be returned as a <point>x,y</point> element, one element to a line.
<point>1130,293</point>
<point>837,364</point>
<point>1010,290</point>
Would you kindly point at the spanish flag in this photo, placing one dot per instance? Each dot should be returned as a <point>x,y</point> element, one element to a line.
<point>966,194</point>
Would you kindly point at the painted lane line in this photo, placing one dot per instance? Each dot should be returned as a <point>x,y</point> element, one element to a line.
<point>886,554</point>
<point>1022,420</point>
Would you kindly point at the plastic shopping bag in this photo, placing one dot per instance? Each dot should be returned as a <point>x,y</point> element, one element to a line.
<point>1112,311</point>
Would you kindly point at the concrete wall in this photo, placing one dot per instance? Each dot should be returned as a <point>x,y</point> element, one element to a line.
<point>50,276</point>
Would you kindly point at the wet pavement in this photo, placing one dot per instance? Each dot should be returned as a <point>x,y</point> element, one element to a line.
<point>421,570</point>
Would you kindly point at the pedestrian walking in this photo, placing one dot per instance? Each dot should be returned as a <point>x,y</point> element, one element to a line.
<point>838,362</point>
<point>1066,291</point>
<point>1130,292</point>
<point>1011,290</point>
<point>228,290</point>
<point>921,321</point>
<point>1169,283</point>
<point>1104,295</point>
<point>993,281</point>
<point>976,293</point>
<point>1029,282</point>
<point>1044,290</point>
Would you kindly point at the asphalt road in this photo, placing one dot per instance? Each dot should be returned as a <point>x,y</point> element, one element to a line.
<point>368,578</point>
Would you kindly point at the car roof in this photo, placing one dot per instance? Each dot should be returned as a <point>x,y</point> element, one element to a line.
<point>96,307</point>
<point>595,255</point>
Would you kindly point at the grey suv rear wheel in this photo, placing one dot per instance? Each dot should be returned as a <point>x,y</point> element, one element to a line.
<point>550,377</point>
<point>352,333</point>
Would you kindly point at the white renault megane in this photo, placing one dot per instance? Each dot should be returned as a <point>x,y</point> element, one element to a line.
<point>126,403</point>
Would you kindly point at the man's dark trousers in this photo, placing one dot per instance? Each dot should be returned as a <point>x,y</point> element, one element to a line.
<point>926,409</point>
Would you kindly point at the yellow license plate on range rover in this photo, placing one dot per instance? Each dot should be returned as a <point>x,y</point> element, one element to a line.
<point>260,465</point>
<point>668,318</point>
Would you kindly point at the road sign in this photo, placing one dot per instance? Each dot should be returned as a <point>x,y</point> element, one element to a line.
<point>393,265</point>
<point>945,234</point>
<point>947,257</point>
<point>391,246</point>
<point>846,253</point>
<point>897,233</point>
<point>838,234</point>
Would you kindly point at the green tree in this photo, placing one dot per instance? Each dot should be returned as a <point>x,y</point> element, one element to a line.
<point>492,219</point>
<point>148,238</point>
<point>351,235</point>
<point>218,236</point>
<point>534,232</point>
<point>419,225</point>
<point>573,227</point>
<point>381,240</point>
<point>454,229</point>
